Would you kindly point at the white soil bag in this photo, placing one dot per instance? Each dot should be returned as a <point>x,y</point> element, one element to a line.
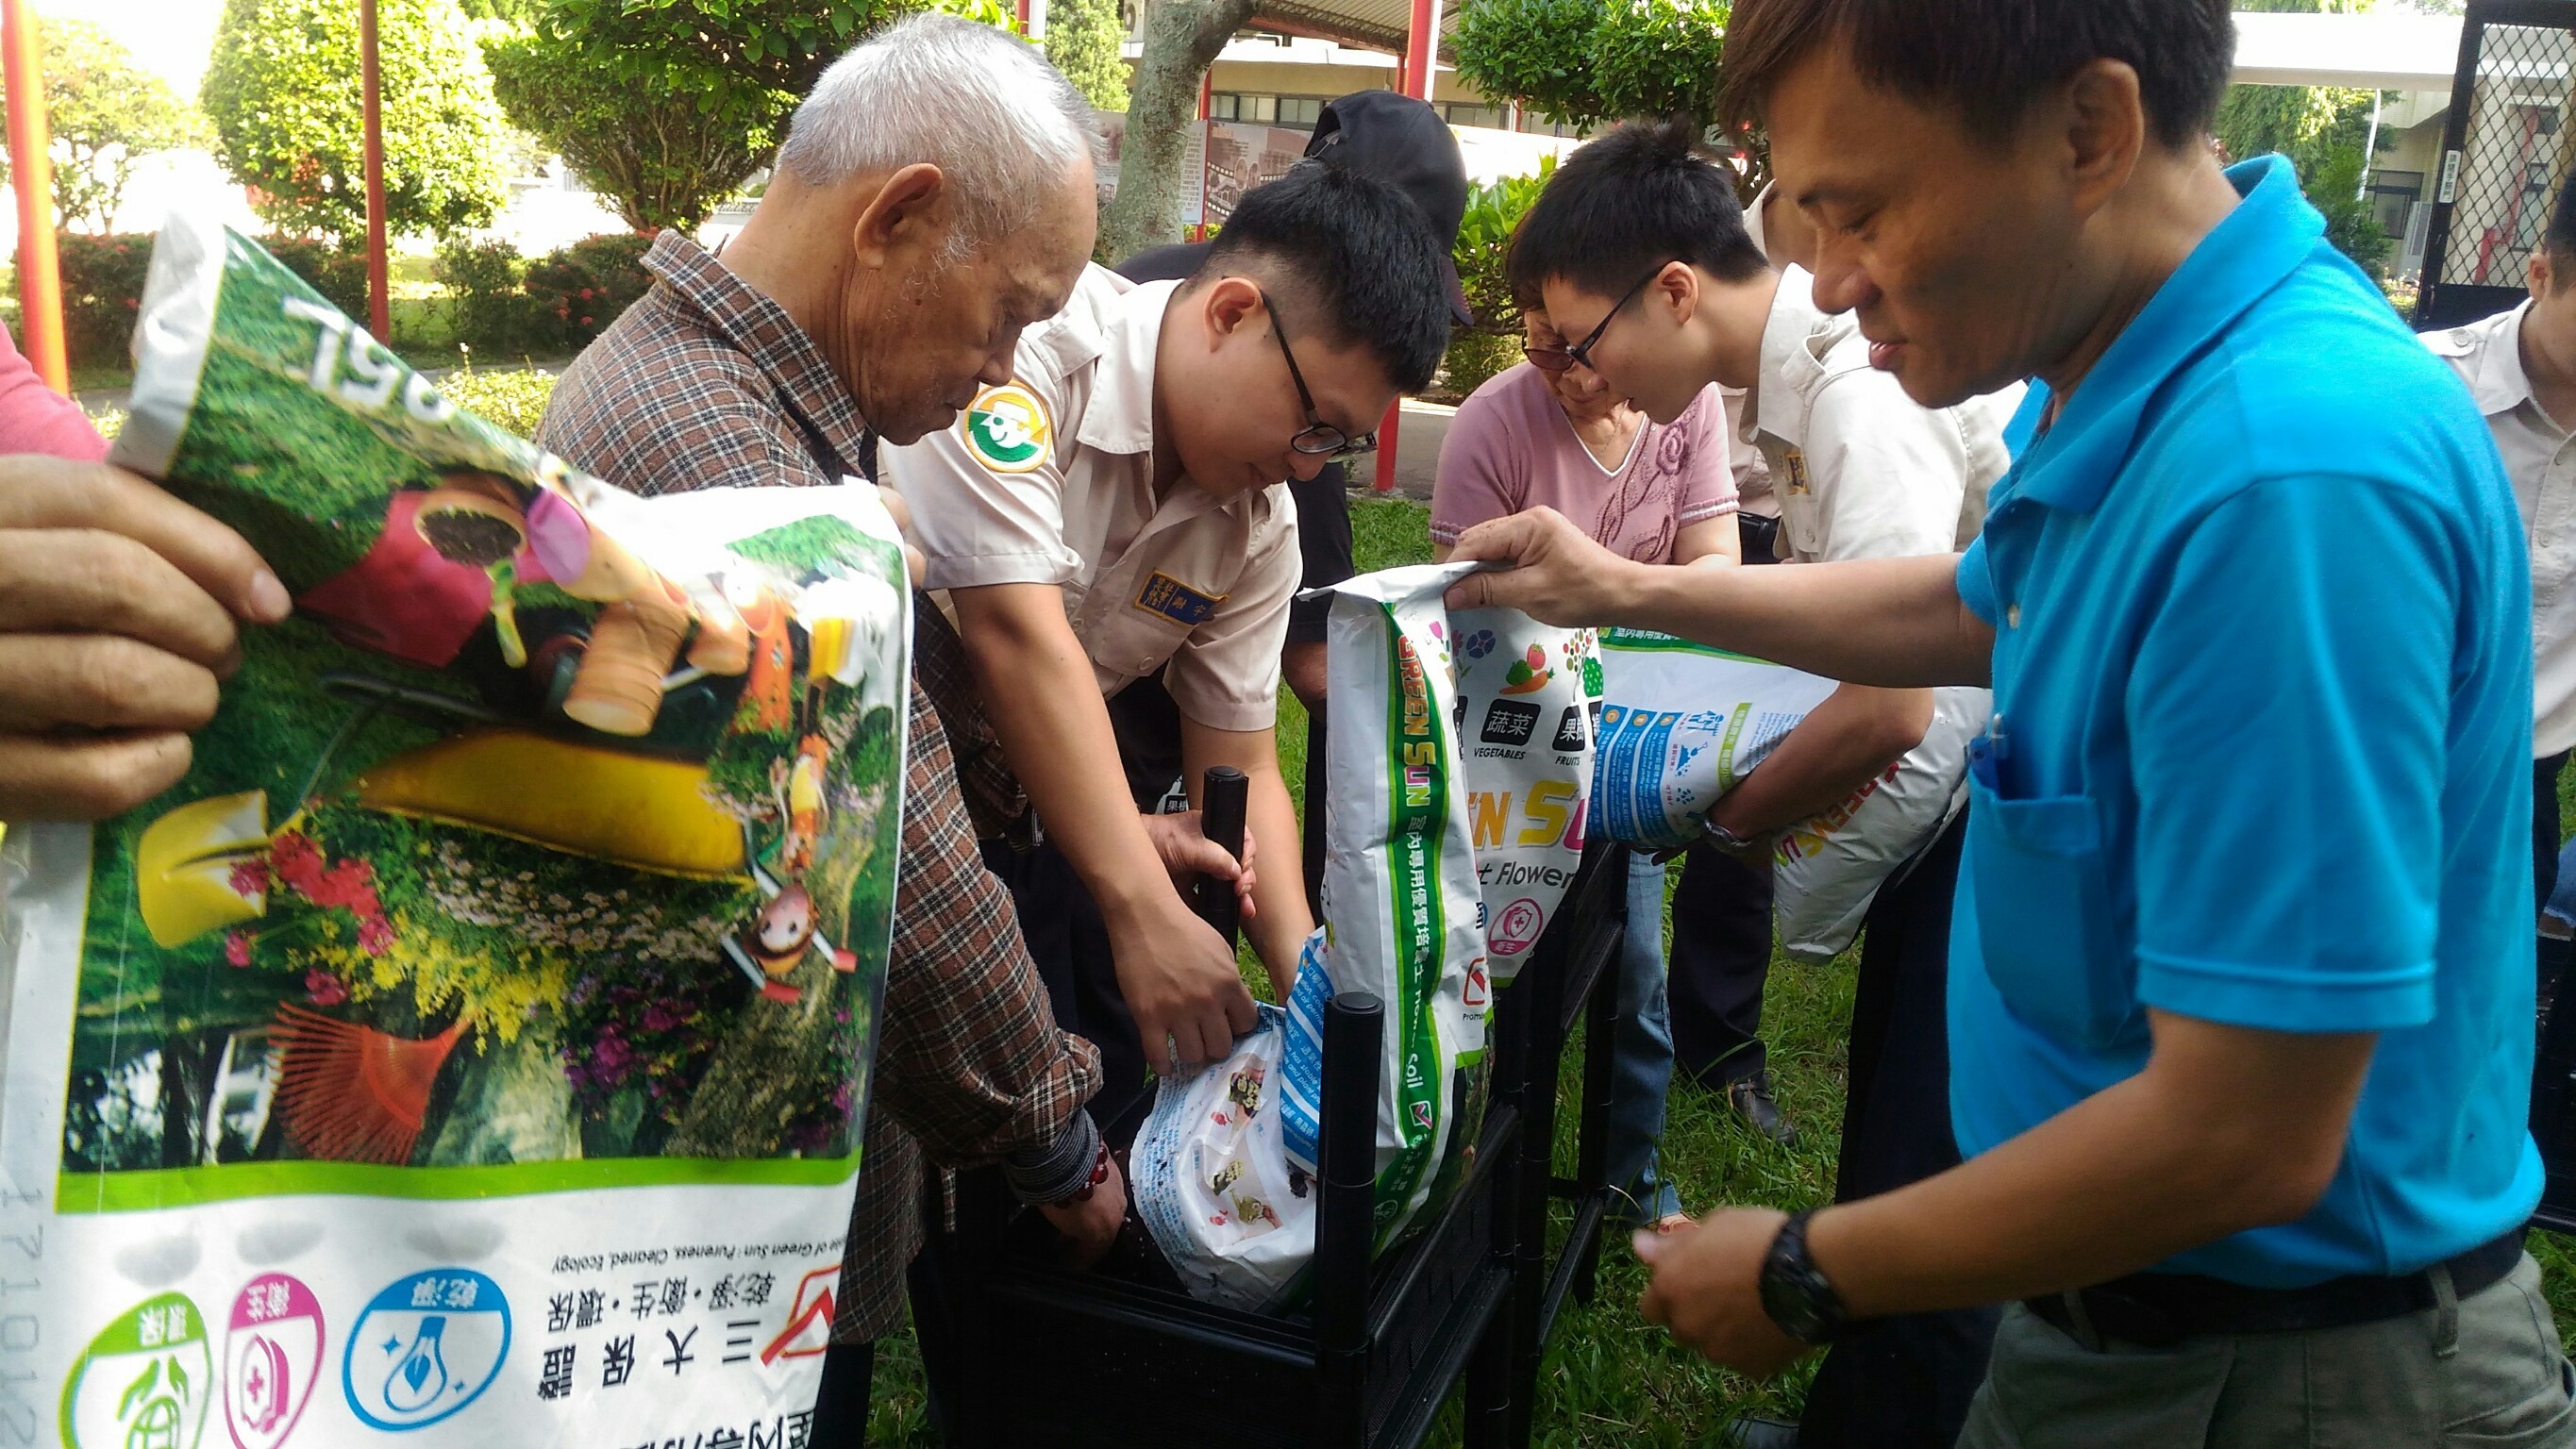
<point>1683,723</point>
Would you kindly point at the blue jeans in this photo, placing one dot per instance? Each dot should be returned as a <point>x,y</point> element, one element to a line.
<point>1641,1061</point>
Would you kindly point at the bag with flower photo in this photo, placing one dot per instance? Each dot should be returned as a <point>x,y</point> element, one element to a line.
<point>479,1034</point>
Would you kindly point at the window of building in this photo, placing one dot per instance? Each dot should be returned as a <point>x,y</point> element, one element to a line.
<point>2393,195</point>
<point>1295,112</point>
<point>1460,113</point>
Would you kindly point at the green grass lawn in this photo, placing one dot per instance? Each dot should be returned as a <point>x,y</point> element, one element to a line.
<point>1611,1380</point>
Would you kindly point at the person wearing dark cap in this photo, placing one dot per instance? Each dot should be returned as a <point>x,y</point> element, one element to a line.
<point>1115,510</point>
<point>1403,142</point>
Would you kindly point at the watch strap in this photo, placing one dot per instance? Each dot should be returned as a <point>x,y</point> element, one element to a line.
<point>1796,1295</point>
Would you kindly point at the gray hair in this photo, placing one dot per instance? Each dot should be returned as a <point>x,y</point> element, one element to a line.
<point>981,104</point>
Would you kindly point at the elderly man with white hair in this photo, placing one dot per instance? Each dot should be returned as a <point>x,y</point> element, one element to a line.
<point>933,198</point>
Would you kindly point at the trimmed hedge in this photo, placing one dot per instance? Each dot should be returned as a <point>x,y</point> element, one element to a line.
<point>511,400</point>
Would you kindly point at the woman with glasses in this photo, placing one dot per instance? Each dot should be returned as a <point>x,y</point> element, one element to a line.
<point>1550,432</point>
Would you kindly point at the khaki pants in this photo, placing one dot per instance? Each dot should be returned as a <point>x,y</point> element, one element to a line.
<point>2485,1371</point>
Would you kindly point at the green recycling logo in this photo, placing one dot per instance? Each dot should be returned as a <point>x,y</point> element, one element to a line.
<point>1008,430</point>
<point>146,1382</point>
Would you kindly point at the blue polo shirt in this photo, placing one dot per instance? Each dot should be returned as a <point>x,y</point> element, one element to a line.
<point>2263,670</point>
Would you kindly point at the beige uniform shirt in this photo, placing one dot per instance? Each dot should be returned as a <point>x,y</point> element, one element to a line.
<point>1049,479</point>
<point>1860,469</point>
<point>2541,461</point>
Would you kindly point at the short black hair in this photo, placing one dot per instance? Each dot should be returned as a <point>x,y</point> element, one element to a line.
<point>1627,203</point>
<point>1355,260</point>
<point>2560,241</point>
<point>1989,60</point>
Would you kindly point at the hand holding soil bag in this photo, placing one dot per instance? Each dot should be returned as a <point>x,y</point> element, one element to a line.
<point>1461,761</point>
<point>480,1032</point>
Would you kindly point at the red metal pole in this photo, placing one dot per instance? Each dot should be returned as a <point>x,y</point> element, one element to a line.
<point>1421,48</point>
<point>40,284</point>
<point>371,100</point>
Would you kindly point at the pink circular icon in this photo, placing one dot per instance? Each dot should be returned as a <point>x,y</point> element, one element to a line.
<point>272,1354</point>
<point>1516,928</point>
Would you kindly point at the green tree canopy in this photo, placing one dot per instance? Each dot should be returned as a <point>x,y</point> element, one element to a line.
<point>283,94</point>
<point>106,114</point>
<point>1083,37</point>
<point>665,106</point>
<point>2321,129</point>
<point>1589,62</point>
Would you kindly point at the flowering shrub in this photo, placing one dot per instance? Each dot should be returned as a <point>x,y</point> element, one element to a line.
<point>552,306</point>
<point>102,291</point>
<point>575,292</point>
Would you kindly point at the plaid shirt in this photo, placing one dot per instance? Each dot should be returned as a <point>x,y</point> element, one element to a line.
<point>705,383</point>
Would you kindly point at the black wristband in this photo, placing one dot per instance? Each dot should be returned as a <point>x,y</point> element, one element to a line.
<point>1795,1293</point>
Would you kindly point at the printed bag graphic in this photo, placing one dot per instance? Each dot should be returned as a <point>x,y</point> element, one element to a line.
<point>1683,723</point>
<point>477,1040</point>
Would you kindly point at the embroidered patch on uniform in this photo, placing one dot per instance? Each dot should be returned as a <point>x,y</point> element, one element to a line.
<point>1176,601</point>
<point>1008,430</point>
<point>1797,461</point>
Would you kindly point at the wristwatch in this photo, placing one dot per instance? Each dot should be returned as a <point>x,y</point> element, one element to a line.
<point>1795,1292</point>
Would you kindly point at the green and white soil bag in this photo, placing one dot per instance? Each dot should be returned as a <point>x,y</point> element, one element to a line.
<point>1683,723</point>
<point>1402,913</point>
<point>479,1036</point>
<point>1527,697</point>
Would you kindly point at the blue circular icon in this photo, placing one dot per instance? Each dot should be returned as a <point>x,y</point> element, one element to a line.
<point>425,1347</point>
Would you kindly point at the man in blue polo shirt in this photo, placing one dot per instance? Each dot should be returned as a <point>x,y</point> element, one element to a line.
<point>2241,981</point>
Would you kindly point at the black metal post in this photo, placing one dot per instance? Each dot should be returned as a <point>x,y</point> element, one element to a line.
<point>1541,993</point>
<point>1591,1161</point>
<point>1345,1218</point>
<point>1223,796</point>
<point>1490,1398</point>
<point>2446,176</point>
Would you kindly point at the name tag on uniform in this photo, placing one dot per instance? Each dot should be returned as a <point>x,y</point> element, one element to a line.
<point>1176,601</point>
<point>1797,461</point>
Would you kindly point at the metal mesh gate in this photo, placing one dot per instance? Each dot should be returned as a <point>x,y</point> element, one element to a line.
<point>2505,150</point>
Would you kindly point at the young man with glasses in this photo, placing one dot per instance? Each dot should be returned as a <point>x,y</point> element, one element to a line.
<point>1115,507</point>
<point>1551,434</point>
<point>1861,471</point>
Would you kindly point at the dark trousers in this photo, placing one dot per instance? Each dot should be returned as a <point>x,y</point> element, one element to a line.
<point>1904,1383</point>
<point>841,1413</point>
<point>1721,954</point>
<point>1070,944</point>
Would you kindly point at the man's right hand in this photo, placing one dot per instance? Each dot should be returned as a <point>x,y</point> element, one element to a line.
<point>1558,575</point>
<point>1179,979</point>
<point>118,607</point>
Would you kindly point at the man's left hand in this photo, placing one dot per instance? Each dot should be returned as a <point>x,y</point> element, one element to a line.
<point>1188,854</point>
<point>1707,1290</point>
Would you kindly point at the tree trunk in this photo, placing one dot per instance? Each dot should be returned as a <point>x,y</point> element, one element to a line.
<point>1182,38</point>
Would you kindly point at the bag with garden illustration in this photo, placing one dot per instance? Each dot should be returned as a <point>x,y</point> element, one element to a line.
<point>479,1036</point>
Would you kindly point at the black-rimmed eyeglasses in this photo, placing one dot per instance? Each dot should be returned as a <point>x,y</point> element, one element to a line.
<point>1318,439</point>
<point>1558,359</point>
